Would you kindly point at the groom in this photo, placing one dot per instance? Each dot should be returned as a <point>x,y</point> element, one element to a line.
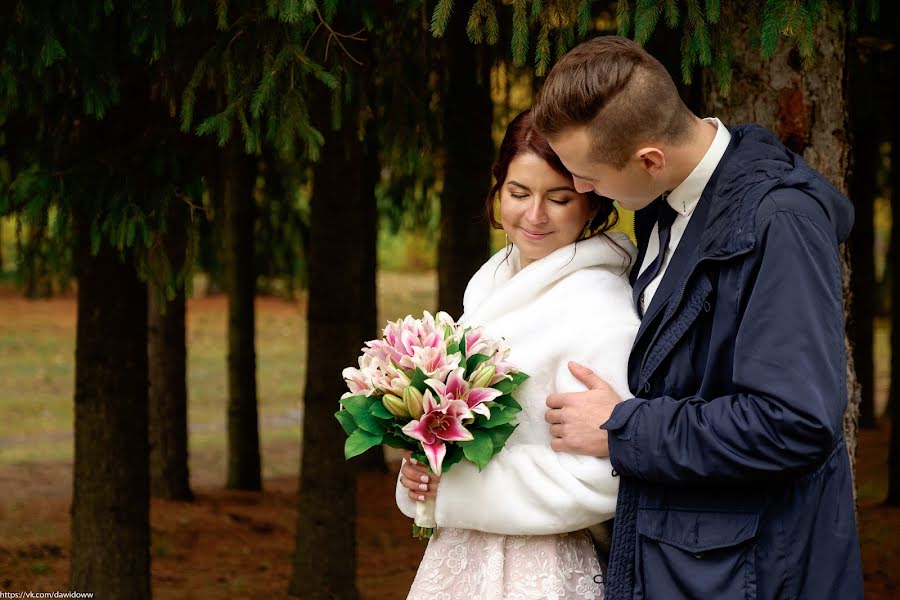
<point>735,478</point>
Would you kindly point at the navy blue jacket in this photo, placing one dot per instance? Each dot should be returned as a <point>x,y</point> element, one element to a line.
<point>735,479</point>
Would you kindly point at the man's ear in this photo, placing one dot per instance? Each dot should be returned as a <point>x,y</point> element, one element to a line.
<point>653,160</point>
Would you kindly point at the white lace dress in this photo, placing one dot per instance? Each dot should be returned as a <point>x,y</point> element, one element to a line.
<point>462,564</point>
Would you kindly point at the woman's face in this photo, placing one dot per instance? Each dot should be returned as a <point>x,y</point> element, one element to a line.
<point>539,208</point>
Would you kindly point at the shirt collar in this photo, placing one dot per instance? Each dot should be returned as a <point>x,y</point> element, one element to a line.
<point>685,197</point>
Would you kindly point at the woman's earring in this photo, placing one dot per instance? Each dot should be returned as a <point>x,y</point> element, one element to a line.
<point>507,238</point>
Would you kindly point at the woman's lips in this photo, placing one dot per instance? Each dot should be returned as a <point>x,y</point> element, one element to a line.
<point>534,235</point>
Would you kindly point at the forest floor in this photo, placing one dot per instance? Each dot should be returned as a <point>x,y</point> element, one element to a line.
<point>229,543</point>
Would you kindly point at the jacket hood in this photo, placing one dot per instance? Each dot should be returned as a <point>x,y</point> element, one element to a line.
<point>755,164</point>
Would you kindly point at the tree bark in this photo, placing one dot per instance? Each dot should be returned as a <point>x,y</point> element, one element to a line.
<point>806,109</point>
<point>238,182</point>
<point>468,112</point>
<point>167,355</point>
<point>372,461</point>
<point>110,497</point>
<point>325,555</point>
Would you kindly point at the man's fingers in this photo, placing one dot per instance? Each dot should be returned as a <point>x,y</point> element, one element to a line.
<point>586,376</point>
<point>556,430</point>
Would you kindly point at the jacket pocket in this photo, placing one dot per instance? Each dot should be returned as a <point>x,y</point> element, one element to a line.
<point>696,554</point>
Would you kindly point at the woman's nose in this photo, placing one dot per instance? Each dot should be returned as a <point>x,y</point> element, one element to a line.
<point>536,213</point>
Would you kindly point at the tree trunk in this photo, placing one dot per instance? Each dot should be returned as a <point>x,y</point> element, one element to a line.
<point>468,111</point>
<point>167,355</point>
<point>806,109</point>
<point>110,498</point>
<point>238,182</point>
<point>862,184</point>
<point>325,554</point>
<point>36,269</point>
<point>368,306</point>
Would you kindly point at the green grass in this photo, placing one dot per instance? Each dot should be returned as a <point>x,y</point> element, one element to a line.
<point>37,350</point>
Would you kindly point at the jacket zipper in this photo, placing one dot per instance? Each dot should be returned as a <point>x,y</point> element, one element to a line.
<point>678,303</point>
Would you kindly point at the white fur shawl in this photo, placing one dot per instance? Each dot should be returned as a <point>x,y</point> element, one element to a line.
<point>574,304</point>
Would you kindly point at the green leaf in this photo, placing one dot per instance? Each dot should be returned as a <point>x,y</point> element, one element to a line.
<point>347,421</point>
<point>358,406</point>
<point>418,380</point>
<point>499,416</point>
<point>519,378</point>
<point>473,361</point>
<point>359,441</point>
<point>377,409</point>
<point>480,449</point>
<point>509,403</point>
<point>500,434</point>
<point>397,441</point>
<point>454,455</point>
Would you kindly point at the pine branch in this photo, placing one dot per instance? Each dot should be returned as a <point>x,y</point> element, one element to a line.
<point>672,14</point>
<point>222,15</point>
<point>623,17</point>
<point>713,11</point>
<point>542,51</point>
<point>646,15</point>
<point>520,33</point>
<point>584,16</point>
<point>441,17</point>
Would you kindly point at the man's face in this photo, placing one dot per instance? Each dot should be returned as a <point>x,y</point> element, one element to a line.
<point>633,186</point>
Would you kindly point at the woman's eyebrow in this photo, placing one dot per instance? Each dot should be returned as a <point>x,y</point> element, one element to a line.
<point>517,184</point>
<point>564,188</point>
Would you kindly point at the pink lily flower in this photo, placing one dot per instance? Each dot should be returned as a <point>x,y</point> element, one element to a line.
<point>457,388</point>
<point>440,423</point>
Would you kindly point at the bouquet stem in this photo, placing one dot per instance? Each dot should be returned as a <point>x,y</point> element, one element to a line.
<point>424,523</point>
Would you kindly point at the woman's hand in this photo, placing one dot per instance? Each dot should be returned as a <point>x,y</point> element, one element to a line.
<point>419,483</point>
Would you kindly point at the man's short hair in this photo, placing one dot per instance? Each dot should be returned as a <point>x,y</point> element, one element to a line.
<point>619,91</point>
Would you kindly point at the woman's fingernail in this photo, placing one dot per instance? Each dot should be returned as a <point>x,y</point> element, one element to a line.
<point>421,498</point>
<point>424,478</point>
<point>413,461</point>
<point>423,487</point>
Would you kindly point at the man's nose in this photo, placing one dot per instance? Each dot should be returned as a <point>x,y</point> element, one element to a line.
<point>582,186</point>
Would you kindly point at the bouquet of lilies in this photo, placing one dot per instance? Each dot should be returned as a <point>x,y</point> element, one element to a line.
<point>435,387</point>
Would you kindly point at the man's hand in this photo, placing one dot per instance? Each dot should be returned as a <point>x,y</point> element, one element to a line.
<point>575,417</point>
<point>419,483</point>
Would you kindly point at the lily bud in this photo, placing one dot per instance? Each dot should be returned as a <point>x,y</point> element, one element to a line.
<point>395,405</point>
<point>412,398</point>
<point>483,377</point>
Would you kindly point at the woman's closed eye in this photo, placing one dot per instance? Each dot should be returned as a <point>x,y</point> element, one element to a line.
<point>560,201</point>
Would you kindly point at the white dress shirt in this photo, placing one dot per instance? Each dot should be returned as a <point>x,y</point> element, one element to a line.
<point>684,199</point>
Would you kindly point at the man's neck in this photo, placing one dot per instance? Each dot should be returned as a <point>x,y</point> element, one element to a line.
<point>684,159</point>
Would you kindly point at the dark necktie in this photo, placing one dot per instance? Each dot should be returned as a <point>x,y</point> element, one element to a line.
<point>664,221</point>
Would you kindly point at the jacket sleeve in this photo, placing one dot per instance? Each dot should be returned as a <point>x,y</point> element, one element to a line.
<point>789,370</point>
<point>528,488</point>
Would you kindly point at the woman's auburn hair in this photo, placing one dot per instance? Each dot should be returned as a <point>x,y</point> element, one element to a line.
<point>523,138</point>
<point>620,92</point>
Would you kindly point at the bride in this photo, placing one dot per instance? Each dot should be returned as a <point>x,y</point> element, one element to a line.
<point>558,292</point>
